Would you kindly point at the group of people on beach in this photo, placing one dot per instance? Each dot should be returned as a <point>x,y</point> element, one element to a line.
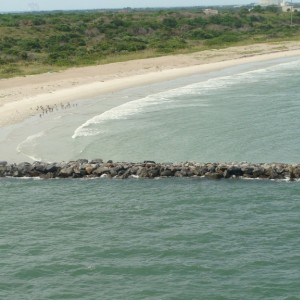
<point>42,110</point>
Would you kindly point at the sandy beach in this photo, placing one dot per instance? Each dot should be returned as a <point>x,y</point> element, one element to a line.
<point>22,97</point>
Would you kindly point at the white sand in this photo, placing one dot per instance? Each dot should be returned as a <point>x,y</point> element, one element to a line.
<point>20,96</point>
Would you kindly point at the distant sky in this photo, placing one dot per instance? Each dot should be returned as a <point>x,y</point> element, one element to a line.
<point>34,5</point>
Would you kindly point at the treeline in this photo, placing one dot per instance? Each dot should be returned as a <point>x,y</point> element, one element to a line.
<point>39,42</point>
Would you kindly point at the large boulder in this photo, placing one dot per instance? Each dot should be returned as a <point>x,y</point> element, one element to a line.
<point>89,169</point>
<point>258,172</point>
<point>3,165</point>
<point>274,174</point>
<point>96,161</point>
<point>247,170</point>
<point>51,168</point>
<point>41,167</point>
<point>79,172</point>
<point>213,175</point>
<point>296,171</point>
<point>211,168</point>
<point>200,170</point>
<point>101,170</point>
<point>66,172</point>
<point>186,172</point>
<point>233,171</point>
<point>166,172</point>
<point>82,161</point>
<point>24,169</point>
<point>142,172</point>
<point>154,172</point>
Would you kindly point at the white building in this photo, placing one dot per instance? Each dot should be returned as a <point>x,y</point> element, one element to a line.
<point>210,12</point>
<point>287,7</point>
<point>270,2</point>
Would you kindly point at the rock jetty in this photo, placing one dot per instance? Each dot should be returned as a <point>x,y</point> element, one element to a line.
<point>84,168</point>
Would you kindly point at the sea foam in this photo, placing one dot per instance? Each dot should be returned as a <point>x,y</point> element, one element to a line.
<point>172,96</point>
<point>30,142</point>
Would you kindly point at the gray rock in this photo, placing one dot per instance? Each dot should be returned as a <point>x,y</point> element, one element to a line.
<point>296,171</point>
<point>200,170</point>
<point>258,171</point>
<point>186,172</point>
<point>247,170</point>
<point>89,169</point>
<point>40,167</point>
<point>17,173</point>
<point>233,171</point>
<point>96,161</point>
<point>101,170</point>
<point>178,174</point>
<point>142,172</point>
<point>274,175</point>
<point>221,168</point>
<point>79,172</point>
<point>124,174</point>
<point>213,175</point>
<point>154,172</point>
<point>66,172</point>
<point>167,173</point>
<point>149,169</point>
<point>2,170</point>
<point>24,169</point>
<point>82,161</point>
<point>51,168</point>
<point>211,168</point>
<point>47,176</point>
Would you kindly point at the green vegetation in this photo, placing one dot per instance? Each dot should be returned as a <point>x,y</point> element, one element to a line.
<point>41,42</point>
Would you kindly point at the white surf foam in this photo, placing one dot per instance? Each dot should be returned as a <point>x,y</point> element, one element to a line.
<point>201,88</point>
<point>137,106</point>
<point>119,113</point>
<point>30,142</point>
<point>291,65</point>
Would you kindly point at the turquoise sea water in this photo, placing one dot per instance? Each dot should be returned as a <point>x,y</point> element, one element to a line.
<point>166,238</point>
<point>149,239</point>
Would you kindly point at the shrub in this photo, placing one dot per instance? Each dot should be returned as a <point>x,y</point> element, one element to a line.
<point>63,28</point>
<point>30,44</point>
<point>169,22</point>
<point>199,34</point>
<point>38,21</point>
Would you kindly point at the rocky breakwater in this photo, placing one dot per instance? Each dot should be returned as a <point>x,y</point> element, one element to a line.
<point>83,168</point>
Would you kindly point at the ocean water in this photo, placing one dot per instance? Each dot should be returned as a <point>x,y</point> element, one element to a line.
<point>165,238</point>
<point>149,239</point>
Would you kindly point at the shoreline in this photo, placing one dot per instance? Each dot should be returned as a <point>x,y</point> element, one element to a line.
<point>20,96</point>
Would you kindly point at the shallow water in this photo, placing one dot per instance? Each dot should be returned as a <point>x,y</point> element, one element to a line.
<point>244,113</point>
